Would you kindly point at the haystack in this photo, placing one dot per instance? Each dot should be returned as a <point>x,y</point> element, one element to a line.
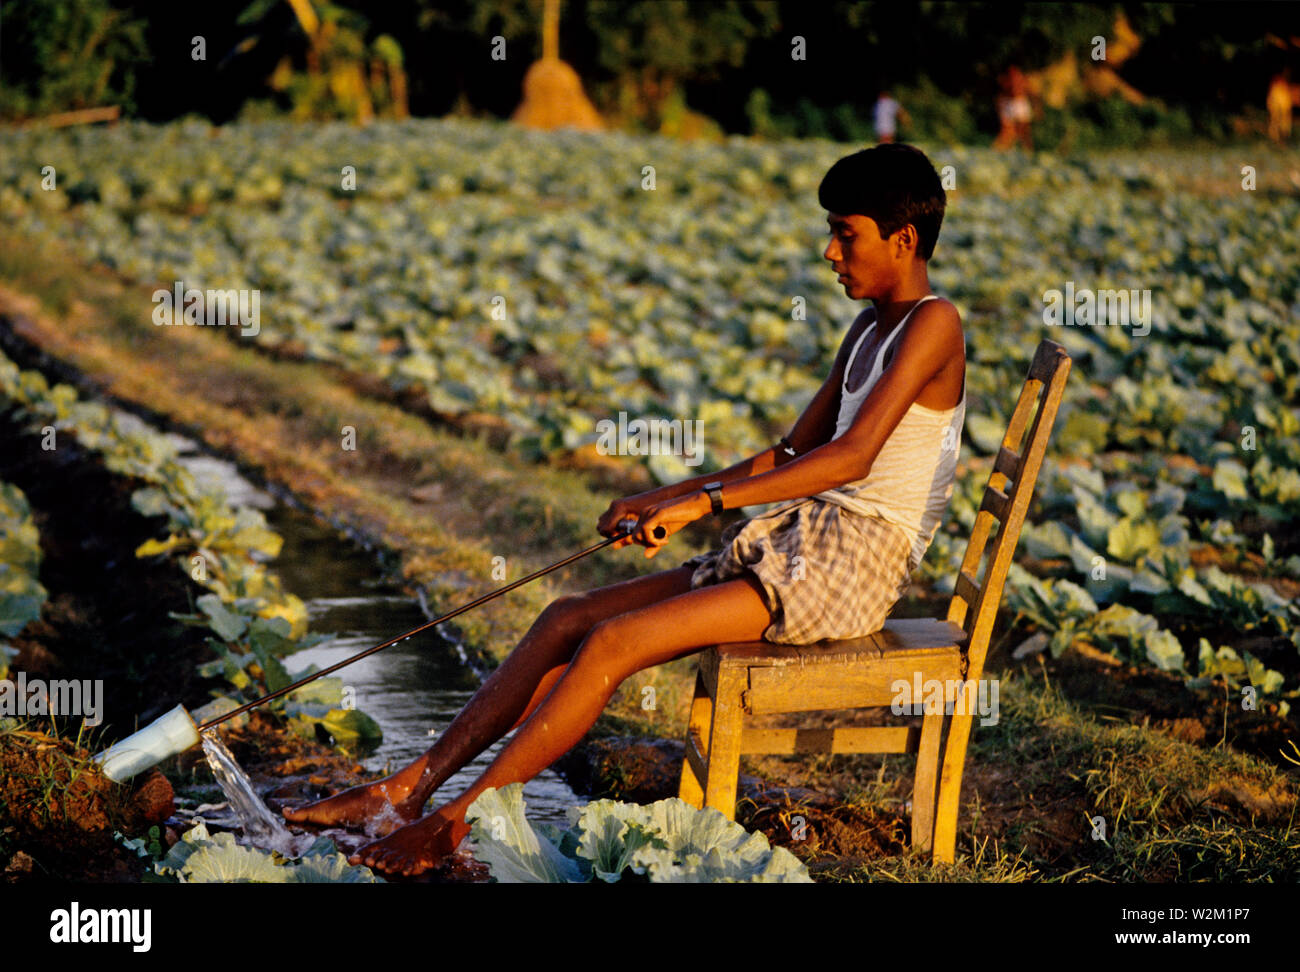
<point>553,95</point>
<point>553,98</point>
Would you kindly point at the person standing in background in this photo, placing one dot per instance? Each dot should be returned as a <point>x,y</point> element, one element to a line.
<point>886,111</point>
<point>1279,105</point>
<point>1014,111</point>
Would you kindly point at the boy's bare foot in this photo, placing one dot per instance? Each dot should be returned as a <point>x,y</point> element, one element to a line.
<point>414,848</point>
<point>388,802</point>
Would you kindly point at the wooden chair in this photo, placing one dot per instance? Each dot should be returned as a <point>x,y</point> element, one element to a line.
<point>762,678</point>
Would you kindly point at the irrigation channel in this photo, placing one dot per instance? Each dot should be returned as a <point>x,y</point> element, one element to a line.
<point>413,689</point>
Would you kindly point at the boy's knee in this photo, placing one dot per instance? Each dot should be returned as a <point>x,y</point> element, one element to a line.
<point>606,649</point>
<point>568,614</point>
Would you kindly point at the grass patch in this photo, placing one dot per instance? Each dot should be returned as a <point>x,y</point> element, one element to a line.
<point>1172,811</point>
<point>988,862</point>
<point>56,806</point>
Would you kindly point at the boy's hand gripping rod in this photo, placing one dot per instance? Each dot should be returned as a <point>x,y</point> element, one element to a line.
<point>626,527</point>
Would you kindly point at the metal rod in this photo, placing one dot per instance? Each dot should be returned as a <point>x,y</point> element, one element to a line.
<point>624,530</point>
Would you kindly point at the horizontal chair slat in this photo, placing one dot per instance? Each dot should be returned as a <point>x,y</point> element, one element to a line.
<point>1047,358</point>
<point>857,686</point>
<point>1007,463</point>
<point>966,588</point>
<point>872,739</point>
<point>695,757</point>
<point>996,502</point>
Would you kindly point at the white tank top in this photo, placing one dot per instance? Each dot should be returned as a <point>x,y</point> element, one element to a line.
<point>912,478</point>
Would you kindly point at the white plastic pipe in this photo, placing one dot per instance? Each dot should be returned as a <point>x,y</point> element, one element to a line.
<point>167,735</point>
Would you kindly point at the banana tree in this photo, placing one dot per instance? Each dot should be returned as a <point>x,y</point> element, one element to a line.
<point>344,74</point>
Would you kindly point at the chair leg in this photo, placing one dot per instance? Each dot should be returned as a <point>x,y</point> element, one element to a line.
<point>723,761</point>
<point>954,760</point>
<point>927,775</point>
<point>699,725</point>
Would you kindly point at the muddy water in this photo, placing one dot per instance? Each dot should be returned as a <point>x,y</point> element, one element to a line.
<point>413,689</point>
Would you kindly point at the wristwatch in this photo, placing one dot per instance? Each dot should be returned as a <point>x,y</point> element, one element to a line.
<point>714,489</point>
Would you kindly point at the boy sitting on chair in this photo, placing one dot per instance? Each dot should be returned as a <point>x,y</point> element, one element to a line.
<point>870,465</point>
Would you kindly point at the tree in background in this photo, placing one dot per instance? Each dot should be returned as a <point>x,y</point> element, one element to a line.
<point>1186,68</point>
<point>387,76</point>
<point>68,55</point>
<point>344,76</point>
<point>652,48</point>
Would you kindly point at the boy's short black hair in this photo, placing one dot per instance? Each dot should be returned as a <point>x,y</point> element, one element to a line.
<point>894,184</point>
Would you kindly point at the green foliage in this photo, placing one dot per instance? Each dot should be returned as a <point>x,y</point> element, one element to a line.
<point>21,597</point>
<point>506,842</point>
<point>148,846</point>
<point>666,842</point>
<point>677,38</point>
<point>1030,34</point>
<point>203,858</point>
<point>1112,123</point>
<point>933,116</point>
<point>1067,611</point>
<point>21,593</point>
<point>7,654</point>
<point>1238,670</point>
<point>68,55</point>
<point>677,317</point>
<point>20,545</point>
<point>1141,636</point>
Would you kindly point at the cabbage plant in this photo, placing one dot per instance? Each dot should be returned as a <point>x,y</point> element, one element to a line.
<point>666,842</point>
<point>21,594</point>
<point>203,858</point>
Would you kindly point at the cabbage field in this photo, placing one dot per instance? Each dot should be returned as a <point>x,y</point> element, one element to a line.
<point>552,280</point>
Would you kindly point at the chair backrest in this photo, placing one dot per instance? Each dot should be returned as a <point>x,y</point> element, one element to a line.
<point>975,599</point>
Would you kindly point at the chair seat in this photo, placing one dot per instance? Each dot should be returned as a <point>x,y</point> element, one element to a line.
<point>898,637</point>
<point>839,674</point>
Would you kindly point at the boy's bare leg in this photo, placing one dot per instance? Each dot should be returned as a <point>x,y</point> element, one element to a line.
<point>733,610</point>
<point>502,702</point>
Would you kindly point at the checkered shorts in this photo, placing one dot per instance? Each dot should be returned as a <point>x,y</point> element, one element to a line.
<point>827,573</point>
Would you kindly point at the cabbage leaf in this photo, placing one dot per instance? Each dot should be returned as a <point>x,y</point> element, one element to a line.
<point>669,841</point>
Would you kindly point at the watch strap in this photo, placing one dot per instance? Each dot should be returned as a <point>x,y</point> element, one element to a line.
<point>714,489</point>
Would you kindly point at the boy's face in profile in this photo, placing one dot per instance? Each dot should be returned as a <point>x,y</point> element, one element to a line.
<point>860,256</point>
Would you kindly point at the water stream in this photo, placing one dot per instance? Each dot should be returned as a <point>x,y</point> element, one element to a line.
<point>261,827</point>
<point>413,689</point>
